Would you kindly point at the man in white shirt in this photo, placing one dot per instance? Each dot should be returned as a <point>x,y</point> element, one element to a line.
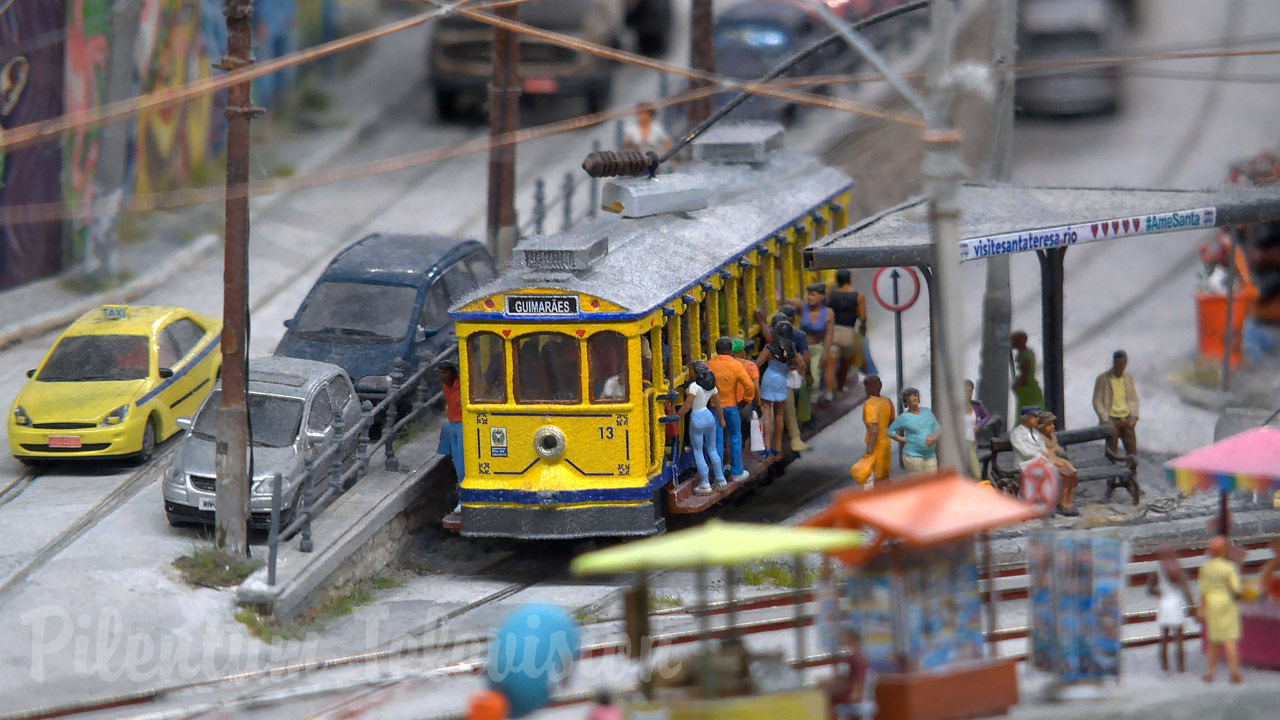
<point>1027,443</point>
<point>644,132</point>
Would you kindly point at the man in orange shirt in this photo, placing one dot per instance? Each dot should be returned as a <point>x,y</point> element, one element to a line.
<point>451,430</point>
<point>877,414</point>
<point>734,387</point>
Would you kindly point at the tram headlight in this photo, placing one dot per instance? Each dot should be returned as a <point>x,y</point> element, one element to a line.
<point>548,442</point>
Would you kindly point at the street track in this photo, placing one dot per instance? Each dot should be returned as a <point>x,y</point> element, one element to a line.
<point>23,481</point>
<point>86,522</point>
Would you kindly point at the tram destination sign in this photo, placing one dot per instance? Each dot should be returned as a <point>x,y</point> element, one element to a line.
<point>542,306</point>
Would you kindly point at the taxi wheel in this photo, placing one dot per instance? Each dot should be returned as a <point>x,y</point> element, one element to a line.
<point>148,443</point>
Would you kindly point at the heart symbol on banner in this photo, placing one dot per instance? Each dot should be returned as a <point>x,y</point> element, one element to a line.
<point>580,333</point>
<point>1125,223</point>
<point>1136,226</point>
<point>1104,229</point>
<point>1115,226</point>
<point>1094,228</point>
<point>506,333</point>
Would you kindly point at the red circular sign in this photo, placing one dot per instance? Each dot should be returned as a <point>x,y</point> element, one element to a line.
<point>882,287</point>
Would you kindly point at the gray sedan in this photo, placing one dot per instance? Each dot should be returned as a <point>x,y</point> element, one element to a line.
<point>291,412</point>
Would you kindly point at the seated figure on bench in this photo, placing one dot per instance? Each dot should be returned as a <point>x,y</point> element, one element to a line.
<point>1067,476</point>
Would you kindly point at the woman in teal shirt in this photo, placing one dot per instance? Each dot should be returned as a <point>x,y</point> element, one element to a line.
<point>917,429</point>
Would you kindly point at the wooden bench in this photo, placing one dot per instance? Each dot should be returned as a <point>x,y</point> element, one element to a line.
<point>1118,472</point>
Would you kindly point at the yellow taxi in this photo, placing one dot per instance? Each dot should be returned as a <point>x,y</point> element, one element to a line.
<point>114,383</point>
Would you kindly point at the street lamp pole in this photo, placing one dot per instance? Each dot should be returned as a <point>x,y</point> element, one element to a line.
<point>231,459</point>
<point>504,118</point>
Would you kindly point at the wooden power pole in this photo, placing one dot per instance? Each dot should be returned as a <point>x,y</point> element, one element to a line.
<point>504,117</point>
<point>232,454</point>
<point>701,56</point>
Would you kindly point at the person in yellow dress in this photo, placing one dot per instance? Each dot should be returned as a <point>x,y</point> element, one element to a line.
<point>1219,591</point>
<point>877,414</point>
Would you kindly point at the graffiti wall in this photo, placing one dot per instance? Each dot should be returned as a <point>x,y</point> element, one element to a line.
<point>54,57</point>
<point>31,63</point>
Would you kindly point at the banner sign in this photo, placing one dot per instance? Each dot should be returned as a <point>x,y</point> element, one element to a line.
<point>1064,235</point>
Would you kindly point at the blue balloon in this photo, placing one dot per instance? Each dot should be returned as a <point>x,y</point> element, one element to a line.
<point>533,648</point>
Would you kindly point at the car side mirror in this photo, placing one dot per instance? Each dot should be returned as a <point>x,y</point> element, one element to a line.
<point>166,372</point>
<point>31,373</point>
<point>288,324</point>
<point>317,437</point>
<point>183,423</point>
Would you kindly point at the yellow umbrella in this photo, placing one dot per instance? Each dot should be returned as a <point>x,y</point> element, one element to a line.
<point>715,544</point>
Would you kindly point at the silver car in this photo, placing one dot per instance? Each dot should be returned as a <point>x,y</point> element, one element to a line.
<point>1052,32</point>
<point>291,411</point>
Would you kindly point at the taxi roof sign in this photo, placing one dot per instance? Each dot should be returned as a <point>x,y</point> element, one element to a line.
<point>115,312</point>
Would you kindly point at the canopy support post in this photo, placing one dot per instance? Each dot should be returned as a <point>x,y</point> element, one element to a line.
<point>1052,276</point>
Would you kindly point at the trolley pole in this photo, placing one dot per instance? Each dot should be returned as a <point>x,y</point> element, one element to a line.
<point>997,301</point>
<point>941,171</point>
<point>231,460</point>
<point>504,117</point>
<point>701,56</point>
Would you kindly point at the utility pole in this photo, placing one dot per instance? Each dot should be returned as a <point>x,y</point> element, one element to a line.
<point>231,460</point>
<point>504,117</point>
<point>997,302</point>
<point>942,169</point>
<point>109,177</point>
<point>701,56</point>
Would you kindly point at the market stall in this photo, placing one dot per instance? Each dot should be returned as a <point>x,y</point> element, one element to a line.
<point>1248,462</point>
<point>915,597</point>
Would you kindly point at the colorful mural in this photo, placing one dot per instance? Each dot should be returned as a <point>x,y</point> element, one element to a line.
<point>54,57</point>
<point>32,53</point>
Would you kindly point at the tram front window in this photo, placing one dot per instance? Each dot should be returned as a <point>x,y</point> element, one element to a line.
<point>548,368</point>
<point>487,363</point>
<point>607,362</point>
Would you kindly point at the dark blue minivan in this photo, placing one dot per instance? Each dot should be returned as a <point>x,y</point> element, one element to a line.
<point>385,297</point>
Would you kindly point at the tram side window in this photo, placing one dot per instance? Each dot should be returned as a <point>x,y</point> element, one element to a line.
<point>486,360</point>
<point>548,368</point>
<point>607,364</point>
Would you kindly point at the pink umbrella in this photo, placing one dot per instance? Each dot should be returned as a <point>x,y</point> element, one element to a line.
<point>1249,461</point>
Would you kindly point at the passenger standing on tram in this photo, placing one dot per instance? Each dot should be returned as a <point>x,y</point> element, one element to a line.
<point>451,431</point>
<point>734,389</point>
<point>740,349</point>
<point>703,408</point>
<point>818,326</point>
<point>777,359</point>
<point>849,311</point>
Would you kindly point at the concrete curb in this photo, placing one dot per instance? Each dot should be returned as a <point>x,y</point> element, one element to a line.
<point>368,508</point>
<point>135,288</point>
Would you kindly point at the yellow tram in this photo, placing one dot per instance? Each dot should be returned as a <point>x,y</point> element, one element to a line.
<point>572,360</point>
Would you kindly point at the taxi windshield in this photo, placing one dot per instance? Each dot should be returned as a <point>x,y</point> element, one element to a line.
<point>88,358</point>
<point>357,313</point>
<point>274,420</point>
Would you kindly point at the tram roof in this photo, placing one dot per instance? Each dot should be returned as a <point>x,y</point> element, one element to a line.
<point>653,260</point>
<point>1001,219</point>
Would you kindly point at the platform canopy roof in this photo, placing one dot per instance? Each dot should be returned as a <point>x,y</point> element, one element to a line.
<point>714,544</point>
<point>924,511</point>
<point>1002,219</point>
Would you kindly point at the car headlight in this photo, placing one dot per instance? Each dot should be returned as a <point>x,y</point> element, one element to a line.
<point>20,416</point>
<point>262,486</point>
<point>374,383</point>
<point>174,475</point>
<point>115,417</point>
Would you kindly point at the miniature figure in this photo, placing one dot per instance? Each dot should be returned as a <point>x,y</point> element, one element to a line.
<point>604,708</point>
<point>818,326</point>
<point>734,388</point>
<point>1115,400</point>
<point>487,705</point>
<point>644,133</point>
<point>451,429</point>
<point>970,424</point>
<point>798,411</point>
<point>1219,592</point>
<point>1268,579</point>
<point>917,429</point>
<point>849,318</point>
<point>1169,583</point>
<point>1025,387</point>
<point>845,688</point>
<point>1027,443</point>
<point>981,415</point>
<point>1067,476</point>
<point>702,398</point>
<point>776,360</point>
<point>878,415</point>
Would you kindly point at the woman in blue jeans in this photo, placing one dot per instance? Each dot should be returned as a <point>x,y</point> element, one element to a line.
<point>698,405</point>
